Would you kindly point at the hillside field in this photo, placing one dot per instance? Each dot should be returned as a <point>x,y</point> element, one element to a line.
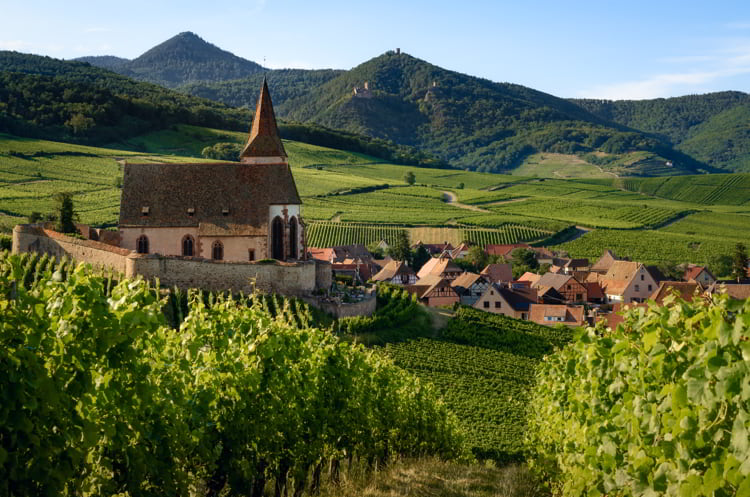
<point>351,197</point>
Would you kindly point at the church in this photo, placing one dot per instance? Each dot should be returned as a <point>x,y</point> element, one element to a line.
<point>222,211</point>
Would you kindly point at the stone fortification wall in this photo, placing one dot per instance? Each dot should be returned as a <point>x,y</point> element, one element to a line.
<point>31,238</point>
<point>288,278</point>
<point>285,278</point>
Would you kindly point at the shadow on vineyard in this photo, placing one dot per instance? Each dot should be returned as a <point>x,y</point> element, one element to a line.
<point>485,366</point>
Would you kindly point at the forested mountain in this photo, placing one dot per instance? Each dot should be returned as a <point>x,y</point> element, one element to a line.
<point>470,122</point>
<point>74,101</point>
<point>286,84</point>
<point>182,59</point>
<point>104,61</point>
<point>713,128</point>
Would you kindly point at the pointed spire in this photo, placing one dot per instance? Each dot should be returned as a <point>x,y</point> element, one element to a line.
<point>264,141</point>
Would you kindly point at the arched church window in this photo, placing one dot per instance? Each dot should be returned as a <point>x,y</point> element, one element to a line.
<point>293,237</point>
<point>217,251</point>
<point>277,239</point>
<point>141,244</point>
<point>188,246</point>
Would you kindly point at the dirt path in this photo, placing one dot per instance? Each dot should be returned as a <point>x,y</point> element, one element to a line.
<point>501,202</point>
<point>439,317</point>
<point>606,172</point>
<point>452,199</point>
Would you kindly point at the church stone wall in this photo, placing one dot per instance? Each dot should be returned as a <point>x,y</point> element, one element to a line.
<point>30,238</point>
<point>296,278</point>
<point>285,278</point>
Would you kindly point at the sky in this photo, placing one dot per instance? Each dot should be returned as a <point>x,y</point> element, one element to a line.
<point>614,50</point>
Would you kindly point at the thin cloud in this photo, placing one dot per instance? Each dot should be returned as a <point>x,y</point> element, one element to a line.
<point>739,25</point>
<point>698,72</point>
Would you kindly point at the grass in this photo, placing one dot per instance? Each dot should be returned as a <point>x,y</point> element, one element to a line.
<point>435,478</point>
<point>562,166</point>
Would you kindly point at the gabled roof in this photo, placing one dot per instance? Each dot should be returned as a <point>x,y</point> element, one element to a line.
<point>356,250</point>
<point>605,261</point>
<point>321,254</point>
<point>571,315</point>
<point>519,301</point>
<point>594,290</point>
<point>504,250</point>
<point>166,192</point>
<point>739,291</point>
<point>439,266</point>
<point>466,280</point>
<point>530,277</point>
<point>498,272</point>
<point>576,263</point>
<point>264,140</point>
<point>392,269</point>
<point>622,270</point>
<point>685,289</point>
<point>692,272</point>
<point>553,280</point>
<point>441,283</point>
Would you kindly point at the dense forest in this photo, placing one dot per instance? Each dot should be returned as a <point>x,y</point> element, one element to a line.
<point>73,101</point>
<point>712,128</point>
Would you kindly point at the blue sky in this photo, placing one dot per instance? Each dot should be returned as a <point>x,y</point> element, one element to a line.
<point>617,50</point>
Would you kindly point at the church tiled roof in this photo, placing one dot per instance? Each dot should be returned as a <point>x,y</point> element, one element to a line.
<point>229,199</point>
<point>264,140</point>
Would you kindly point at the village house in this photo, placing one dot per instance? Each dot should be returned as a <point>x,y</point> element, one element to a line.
<point>573,265</point>
<point>397,273</point>
<point>498,273</point>
<point>552,315</point>
<point>699,274</point>
<point>440,266</point>
<point>434,291</point>
<point>221,211</point>
<point>602,265</point>
<point>513,303</point>
<point>470,286</point>
<point>504,250</point>
<point>685,290</point>
<point>626,282</point>
<point>567,287</point>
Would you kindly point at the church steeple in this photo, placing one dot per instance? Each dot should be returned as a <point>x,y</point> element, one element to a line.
<point>264,145</point>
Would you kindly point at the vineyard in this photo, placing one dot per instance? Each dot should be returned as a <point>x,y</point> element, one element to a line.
<point>484,366</point>
<point>328,234</point>
<point>659,406</point>
<point>711,189</point>
<point>102,396</point>
<point>650,247</point>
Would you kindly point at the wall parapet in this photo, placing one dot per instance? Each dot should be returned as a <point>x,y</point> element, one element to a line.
<point>287,278</point>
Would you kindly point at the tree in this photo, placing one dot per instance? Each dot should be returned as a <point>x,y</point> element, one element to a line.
<point>477,256</point>
<point>739,262</point>
<point>35,217</point>
<point>420,257</point>
<point>410,178</point>
<point>66,212</point>
<point>400,250</point>
<point>78,123</point>
<point>222,151</point>
<point>524,257</point>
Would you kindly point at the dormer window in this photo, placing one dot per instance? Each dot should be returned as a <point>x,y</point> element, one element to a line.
<point>191,211</point>
<point>225,211</point>
<point>145,210</point>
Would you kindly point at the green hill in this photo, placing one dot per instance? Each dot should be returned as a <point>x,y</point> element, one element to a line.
<point>470,122</point>
<point>181,59</point>
<point>713,128</point>
<point>74,101</point>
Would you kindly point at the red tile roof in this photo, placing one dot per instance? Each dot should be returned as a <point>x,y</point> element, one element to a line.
<point>504,250</point>
<point>498,272</point>
<point>571,315</point>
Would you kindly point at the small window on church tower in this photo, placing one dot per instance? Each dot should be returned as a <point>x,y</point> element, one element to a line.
<point>191,211</point>
<point>144,210</point>
<point>225,211</point>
